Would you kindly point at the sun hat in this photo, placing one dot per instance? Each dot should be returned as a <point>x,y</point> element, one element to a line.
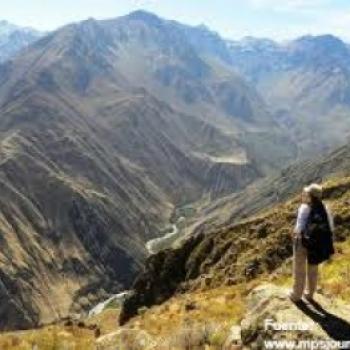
<point>314,190</point>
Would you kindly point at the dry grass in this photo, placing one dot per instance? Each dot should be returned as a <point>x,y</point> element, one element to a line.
<point>218,305</point>
<point>335,275</point>
<point>106,321</point>
<point>50,338</point>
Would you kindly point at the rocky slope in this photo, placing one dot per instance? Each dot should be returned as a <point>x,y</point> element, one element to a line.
<point>269,191</point>
<point>14,38</point>
<point>324,320</point>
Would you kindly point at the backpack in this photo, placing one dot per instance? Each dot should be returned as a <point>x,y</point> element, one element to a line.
<point>317,235</point>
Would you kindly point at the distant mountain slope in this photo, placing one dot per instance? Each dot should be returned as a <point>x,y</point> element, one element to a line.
<point>271,190</point>
<point>101,140</point>
<point>306,82</point>
<point>188,68</point>
<point>14,38</point>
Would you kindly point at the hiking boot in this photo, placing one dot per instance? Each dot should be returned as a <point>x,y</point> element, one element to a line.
<point>309,298</point>
<point>292,298</point>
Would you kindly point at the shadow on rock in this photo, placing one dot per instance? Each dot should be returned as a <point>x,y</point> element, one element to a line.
<point>334,326</point>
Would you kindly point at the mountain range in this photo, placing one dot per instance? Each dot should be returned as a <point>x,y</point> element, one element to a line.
<point>14,38</point>
<point>108,127</point>
<point>306,84</point>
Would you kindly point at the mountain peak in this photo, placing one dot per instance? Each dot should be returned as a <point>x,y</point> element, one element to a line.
<point>90,20</point>
<point>6,27</point>
<point>326,40</point>
<point>89,23</point>
<point>327,50</point>
<point>257,43</point>
<point>142,15</point>
<point>13,38</point>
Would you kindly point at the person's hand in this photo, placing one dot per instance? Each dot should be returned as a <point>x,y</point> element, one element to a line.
<point>296,235</point>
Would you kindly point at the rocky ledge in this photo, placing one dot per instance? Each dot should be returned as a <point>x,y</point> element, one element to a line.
<point>272,316</point>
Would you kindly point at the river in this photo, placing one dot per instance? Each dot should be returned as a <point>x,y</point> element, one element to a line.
<point>155,245</point>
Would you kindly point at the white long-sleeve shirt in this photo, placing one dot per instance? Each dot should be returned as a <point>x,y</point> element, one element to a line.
<point>303,214</point>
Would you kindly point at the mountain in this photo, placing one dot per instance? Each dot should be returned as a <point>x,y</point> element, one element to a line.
<point>14,38</point>
<point>196,79</point>
<point>256,58</point>
<point>269,191</point>
<point>305,82</point>
<point>107,127</point>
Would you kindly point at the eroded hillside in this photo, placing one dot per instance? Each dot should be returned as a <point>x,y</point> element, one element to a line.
<point>269,191</point>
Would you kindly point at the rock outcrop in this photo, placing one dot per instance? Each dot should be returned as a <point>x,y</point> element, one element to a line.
<point>160,279</point>
<point>272,316</point>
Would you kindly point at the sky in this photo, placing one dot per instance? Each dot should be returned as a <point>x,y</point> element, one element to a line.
<point>233,19</point>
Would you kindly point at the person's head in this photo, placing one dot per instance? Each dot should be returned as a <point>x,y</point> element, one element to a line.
<point>312,193</point>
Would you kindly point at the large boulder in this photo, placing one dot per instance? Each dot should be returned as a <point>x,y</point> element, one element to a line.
<point>272,316</point>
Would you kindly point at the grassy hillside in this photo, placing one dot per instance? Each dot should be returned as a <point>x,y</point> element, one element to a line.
<point>212,298</point>
<point>231,255</point>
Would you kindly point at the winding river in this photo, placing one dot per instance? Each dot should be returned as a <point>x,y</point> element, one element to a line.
<point>155,245</point>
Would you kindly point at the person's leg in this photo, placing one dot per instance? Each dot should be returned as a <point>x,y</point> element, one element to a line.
<point>299,270</point>
<point>311,281</point>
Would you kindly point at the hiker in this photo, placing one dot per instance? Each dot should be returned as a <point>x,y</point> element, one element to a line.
<point>312,242</point>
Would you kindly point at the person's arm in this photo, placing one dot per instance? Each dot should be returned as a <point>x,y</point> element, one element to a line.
<point>303,214</point>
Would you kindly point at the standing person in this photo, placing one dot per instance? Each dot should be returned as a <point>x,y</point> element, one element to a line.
<point>312,242</point>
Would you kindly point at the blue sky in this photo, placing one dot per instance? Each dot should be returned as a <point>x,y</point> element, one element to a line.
<point>278,19</point>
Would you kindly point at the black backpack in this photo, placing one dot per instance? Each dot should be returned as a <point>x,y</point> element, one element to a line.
<point>317,235</point>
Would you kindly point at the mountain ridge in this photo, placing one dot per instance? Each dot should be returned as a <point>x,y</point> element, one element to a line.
<point>14,38</point>
<point>305,82</point>
<point>97,161</point>
<point>108,127</point>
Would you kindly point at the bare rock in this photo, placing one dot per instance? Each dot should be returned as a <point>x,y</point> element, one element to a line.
<point>272,316</point>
